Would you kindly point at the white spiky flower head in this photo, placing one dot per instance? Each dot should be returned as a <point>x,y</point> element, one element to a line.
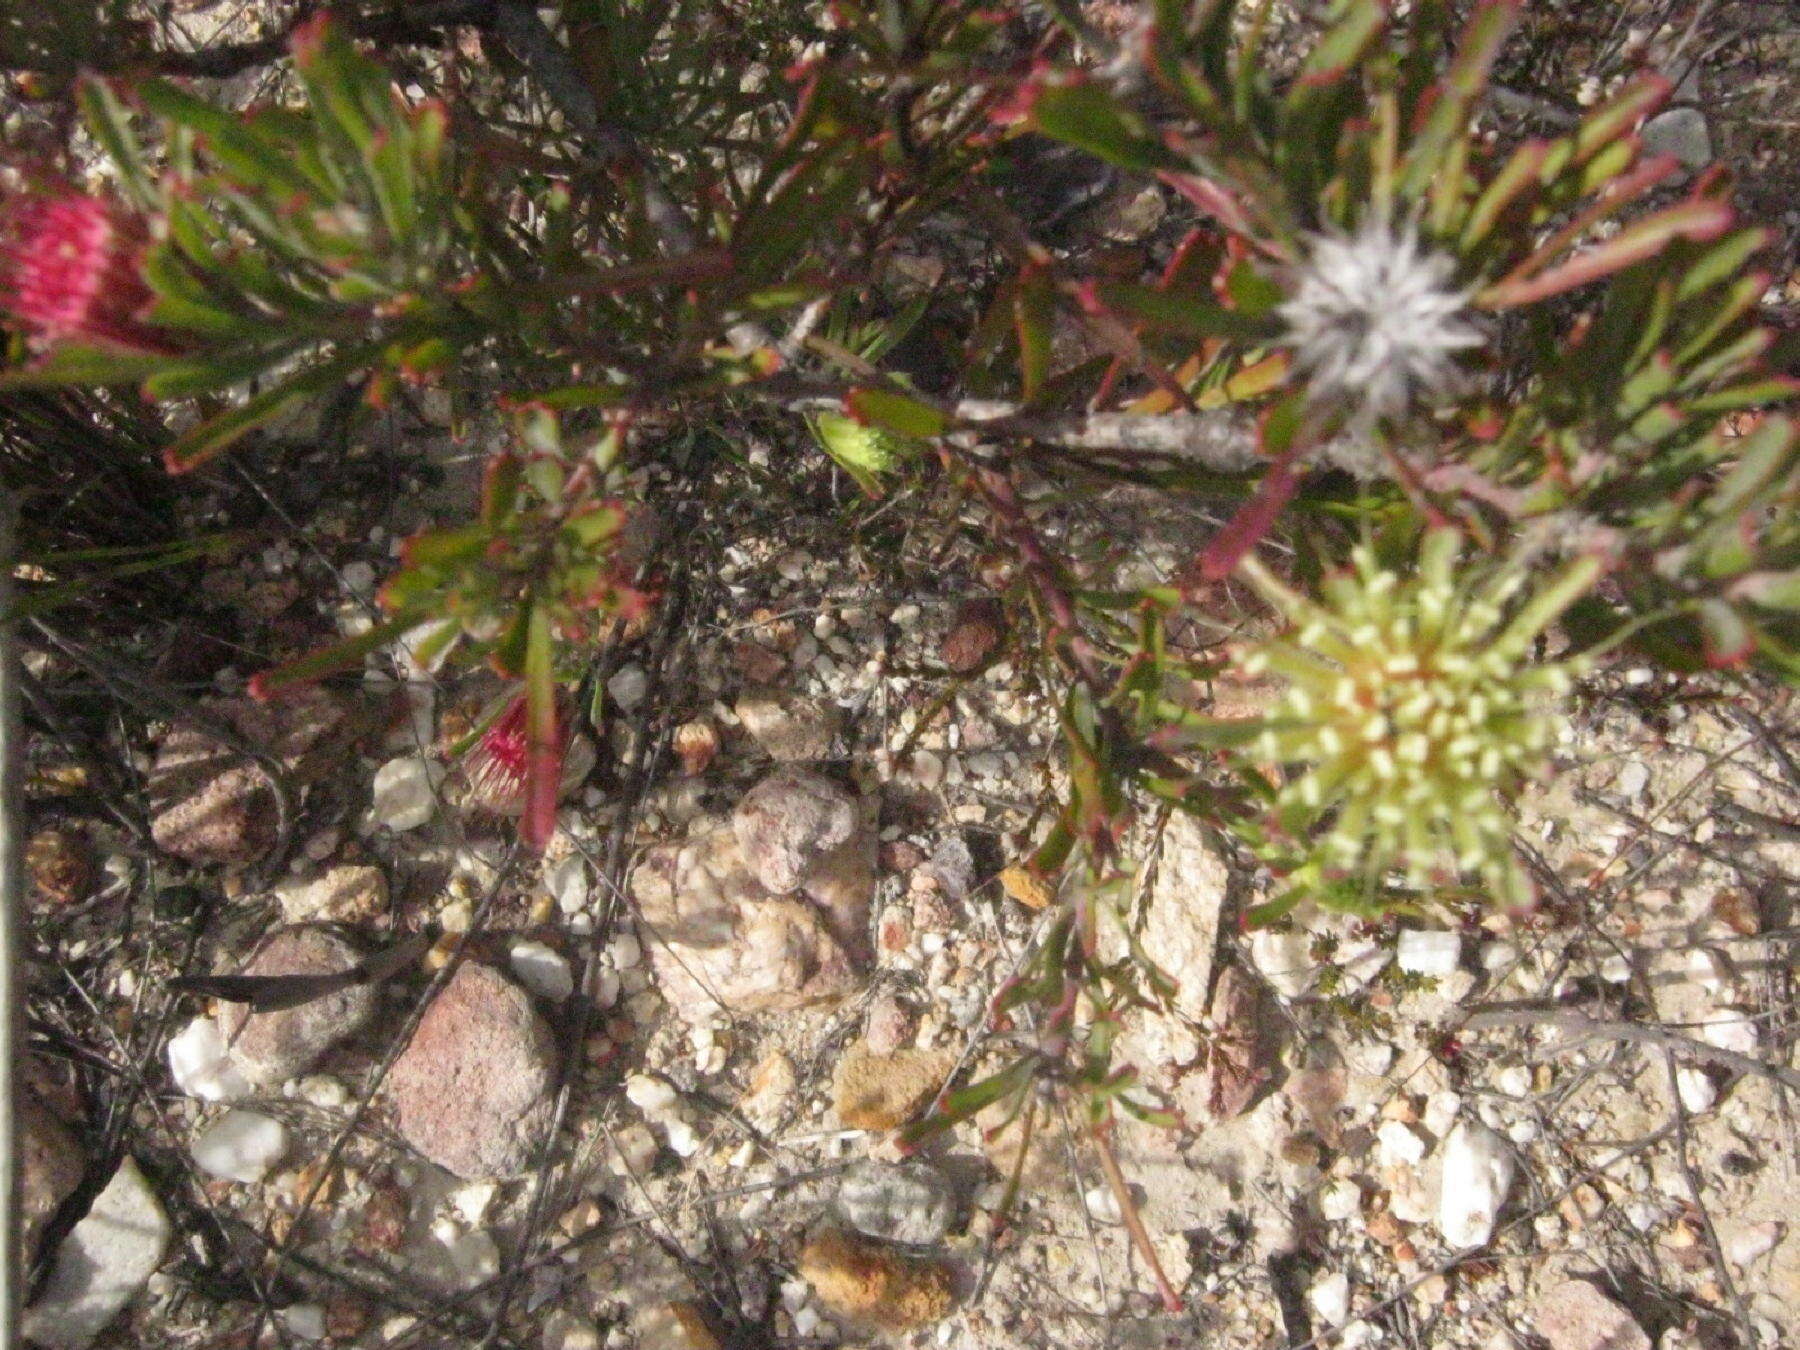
<point>1414,711</point>
<point>1376,322</point>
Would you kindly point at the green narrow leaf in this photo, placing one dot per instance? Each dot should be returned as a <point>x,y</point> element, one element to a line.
<point>1190,314</point>
<point>1462,84</point>
<point>229,139</point>
<point>1034,311</point>
<point>1546,604</point>
<point>543,739</point>
<point>1699,220</point>
<point>508,655</point>
<point>1619,115</point>
<point>500,484</point>
<point>214,371</point>
<point>583,396</point>
<point>1084,114</point>
<point>1763,456</point>
<point>447,547</point>
<point>329,660</point>
<point>774,231</point>
<point>1344,43</point>
<point>896,413</point>
<point>1721,262</point>
<point>1751,394</point>
<point>965,1102</point>
<point>1734,304</point>
<point>182,301</point>
<point>199,444</point>
<point>108,123</point>
<point>73,363</point>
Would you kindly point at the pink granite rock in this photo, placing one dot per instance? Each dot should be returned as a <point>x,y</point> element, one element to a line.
<point>51,1164</point>
<point>1574,1315</point>
<point>474,1089</point>
<point>272,1047</point>
<point>718,938</point>
<point>208,803</point>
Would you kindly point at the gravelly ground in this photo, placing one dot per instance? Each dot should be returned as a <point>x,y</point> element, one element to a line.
<point>697,1157</point>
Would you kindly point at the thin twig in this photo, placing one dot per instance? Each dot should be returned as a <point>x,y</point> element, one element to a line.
<point>549,62</point>
<point>396,1047</point>
<point>641,770</point>
<point>12,1246</point>
<point>418,21</point>
<point>1721,1267</point>
<point>1220,440</point>
<point>1578,1026</point>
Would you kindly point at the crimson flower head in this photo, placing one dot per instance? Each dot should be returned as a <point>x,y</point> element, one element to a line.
<point>71,270</point>
<point>495,765</point>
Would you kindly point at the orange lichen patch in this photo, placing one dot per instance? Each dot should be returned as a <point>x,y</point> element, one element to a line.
<point>1022,885</point>
<point>883,1092</point>
<point>873,1285</point>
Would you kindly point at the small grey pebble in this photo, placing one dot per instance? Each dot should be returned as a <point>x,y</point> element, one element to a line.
<point>910,1202</point>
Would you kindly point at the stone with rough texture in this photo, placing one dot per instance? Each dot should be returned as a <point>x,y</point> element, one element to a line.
<point>1478,1172</point>
<point>201,1065</point>
<point>102,1264</point>
<point>404,793</point>
<point>883,1092</point>
<point>889,1024</point>
<point>272,1047</point>
<point>791,825</point>
<point>1428,951</point>
<point>346,894</point>
<point>1285,960</point>
<point>51,1164</point>
<point>770,1089</point>
<point>1181,918</point>
<point>1329,1296</point>
<point>910,1202</point>
<point>1683,133</point>
<point>952,866</point>
<point>719,939</point>
<point>976,634</point>
<point>59,866</point>
<point>473,1089</point>
<point>1574,1315</point>
<point>1178,929</point>
<point>208,803</point>
<point>874,1286</point>
<point>542,969</point>
<point>241,1146</point>
<point>790,727</point>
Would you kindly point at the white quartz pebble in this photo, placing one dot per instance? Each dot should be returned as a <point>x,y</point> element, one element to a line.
<point>1478,1172</point>
<point>542,969</point>
<point>241,1146</point>
<point>200,1065</point>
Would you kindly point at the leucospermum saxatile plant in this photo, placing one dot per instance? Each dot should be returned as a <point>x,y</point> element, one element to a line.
<point>1374,305</point>
<point>1381,231</point>
<point>1415,709</point>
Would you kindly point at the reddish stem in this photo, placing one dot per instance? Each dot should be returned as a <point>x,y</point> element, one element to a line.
<point>1253,519</point>
<point>1134,1222</point>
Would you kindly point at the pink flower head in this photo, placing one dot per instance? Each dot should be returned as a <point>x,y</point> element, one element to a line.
<point>496,765</point>
<point>71,270</point>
